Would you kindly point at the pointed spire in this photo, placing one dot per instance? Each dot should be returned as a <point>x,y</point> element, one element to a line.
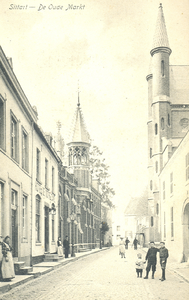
<point>79,131</point>
<point>160,36</point>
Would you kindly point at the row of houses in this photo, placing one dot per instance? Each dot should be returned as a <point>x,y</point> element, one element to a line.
<point>167,214</point>
<point>40,198</point>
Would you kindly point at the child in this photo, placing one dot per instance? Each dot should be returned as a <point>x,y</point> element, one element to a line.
<point>139,265</point>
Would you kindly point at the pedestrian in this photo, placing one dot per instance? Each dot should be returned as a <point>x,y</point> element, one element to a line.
<point>66,246</point>
<point>7,267</point>
<point>127,243</point>
<point>151,257</point>
<point>122,248</point>
<point>135,243</point>
<point>139,265</point>
<point>59,245</point>
<point>163,254</point>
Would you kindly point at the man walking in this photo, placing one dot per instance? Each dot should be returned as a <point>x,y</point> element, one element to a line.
<point>66,246</point>
<point>163,254</point>
<point>151,257</point>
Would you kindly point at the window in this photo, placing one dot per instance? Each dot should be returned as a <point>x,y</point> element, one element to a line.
<point>164,231</point>
<point>52,228</point>
<point>46,173</point>
<point>172,225</point>
<point>162,68</point>
<point>152,221</point>
<point>162,124</point>
<point>163,190</point>
<point>24,216</point>
<point>14,138</point>
<point>2,123</point>
<point>157,209</point>
<point>37,224</point>
<point>24,150</point>
<point>13,198</point>
<point>168,120</point>
<point>156,129</point>
<point>38,160</point>
<point>156,166</point>
<point>187,166</point>
<point>53,179</point>
<point>171,183</point>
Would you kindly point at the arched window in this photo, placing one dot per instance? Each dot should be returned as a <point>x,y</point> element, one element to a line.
<point>152,221</point>
<point>162,68</point>
<point>157,209</point>
<point>162,124</point>
<point>168,120</point>
<point>156,129</point>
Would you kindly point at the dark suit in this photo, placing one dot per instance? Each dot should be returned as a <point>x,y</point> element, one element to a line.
<point>66,248</point>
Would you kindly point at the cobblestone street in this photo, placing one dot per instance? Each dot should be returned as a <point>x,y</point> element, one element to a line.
<point>103,275</point>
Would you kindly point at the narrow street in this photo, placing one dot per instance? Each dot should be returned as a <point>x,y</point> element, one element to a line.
<point>103,275</point>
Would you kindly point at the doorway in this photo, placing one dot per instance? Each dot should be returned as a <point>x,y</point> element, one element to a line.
<point>14,238</point>
<point>46,229</point>
<point>186,233</point>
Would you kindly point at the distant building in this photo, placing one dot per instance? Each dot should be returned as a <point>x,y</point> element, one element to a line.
<point>137,219</point>
<point>168,125</point>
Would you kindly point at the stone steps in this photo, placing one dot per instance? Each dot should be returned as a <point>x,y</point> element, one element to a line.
<point>52,257</point>
<point>20,269</point>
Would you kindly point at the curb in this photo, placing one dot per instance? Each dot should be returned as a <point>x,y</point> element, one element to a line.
<point>9,286</point>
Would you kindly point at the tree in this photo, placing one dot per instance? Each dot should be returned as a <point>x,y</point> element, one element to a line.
<point>105,227</point>
<point>99,170</point>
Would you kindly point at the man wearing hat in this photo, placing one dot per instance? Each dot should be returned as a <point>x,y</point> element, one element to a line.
<point>66,246</point>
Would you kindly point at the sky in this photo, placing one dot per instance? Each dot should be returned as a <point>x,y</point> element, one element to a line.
<point>105,46</point>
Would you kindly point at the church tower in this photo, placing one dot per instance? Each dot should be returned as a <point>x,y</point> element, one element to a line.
<point>159,114</point>
<point>78,150</point>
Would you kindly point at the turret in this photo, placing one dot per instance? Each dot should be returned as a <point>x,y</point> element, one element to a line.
<point>160,57</point>
<point>78,148</point>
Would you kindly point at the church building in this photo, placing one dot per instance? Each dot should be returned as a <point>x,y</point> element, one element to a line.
<point>168,146</point>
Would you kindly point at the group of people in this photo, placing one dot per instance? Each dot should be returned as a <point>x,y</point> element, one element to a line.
<point>151,259</point>
<point>125,244</point>
<point>65,246</point>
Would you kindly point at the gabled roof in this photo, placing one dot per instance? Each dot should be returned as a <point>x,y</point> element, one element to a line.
<point>138,206</point>
<point>79,131</point>
<point>160,36</point>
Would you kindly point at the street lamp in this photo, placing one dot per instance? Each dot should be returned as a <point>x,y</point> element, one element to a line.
<point>100,226</point>
<point>72,217</point>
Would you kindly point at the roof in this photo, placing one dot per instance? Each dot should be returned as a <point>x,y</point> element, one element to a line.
<point>79,131</point>
<point>138,206</point>
<point>160,36</point>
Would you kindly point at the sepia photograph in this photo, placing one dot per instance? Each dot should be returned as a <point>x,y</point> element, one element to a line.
<point>94,150</point>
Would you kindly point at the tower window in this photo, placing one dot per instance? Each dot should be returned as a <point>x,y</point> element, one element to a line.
<point>152,221</point>
<point>162,124</point>
<point>156,129</point>
<point>162,68</point>
<point>168,120</point>
<point>157,209</point>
